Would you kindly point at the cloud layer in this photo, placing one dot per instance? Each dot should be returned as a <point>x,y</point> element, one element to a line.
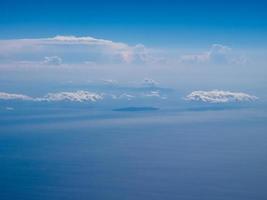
<point>213,96</point>
<point>78,96</point>
<point>72,49</point>
<point>219,96</point>
<point>90,51</point>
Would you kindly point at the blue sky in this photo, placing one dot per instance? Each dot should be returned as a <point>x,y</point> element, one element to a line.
<point>154,23</point>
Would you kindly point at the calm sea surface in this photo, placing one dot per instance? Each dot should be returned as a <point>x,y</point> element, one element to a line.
<point>151,155</point>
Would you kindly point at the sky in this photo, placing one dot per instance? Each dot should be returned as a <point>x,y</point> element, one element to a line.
<point>150,22</point>
<point>205,44</point>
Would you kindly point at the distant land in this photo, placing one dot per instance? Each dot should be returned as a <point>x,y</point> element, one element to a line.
<point>136,109</point>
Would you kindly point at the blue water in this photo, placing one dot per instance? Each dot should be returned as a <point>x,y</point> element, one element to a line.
<point>70,154</point>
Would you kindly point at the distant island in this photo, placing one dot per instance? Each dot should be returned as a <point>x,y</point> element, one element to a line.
<point>136,109</point>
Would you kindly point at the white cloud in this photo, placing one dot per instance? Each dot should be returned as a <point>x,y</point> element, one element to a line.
<point>88,41</point>
<point>12,96</point>
<point>52,60</point>
<point>219,96</point>
<point>88,49</point>
<point>125,96</point>
<point>218,54</point>
<point>154,94</point>
<point>213,96</point>
<point>79,96</point>
<point>127,53</point>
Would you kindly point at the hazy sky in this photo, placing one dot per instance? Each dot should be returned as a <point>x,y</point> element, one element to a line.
<point>200,43</point>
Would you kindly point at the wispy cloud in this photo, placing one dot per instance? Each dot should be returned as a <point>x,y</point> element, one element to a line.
<point>219,96</point>
<point>52,60</point>
<point>124,96</point>
<point>110,81</point>
<point>218,54</point>
<point>12,96</point>
<point>154,94</point>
